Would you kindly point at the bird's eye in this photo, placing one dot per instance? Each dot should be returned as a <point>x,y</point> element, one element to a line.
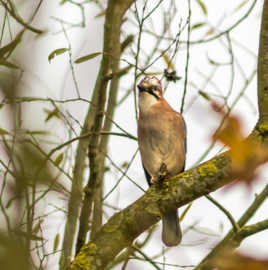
<point>154,88</point>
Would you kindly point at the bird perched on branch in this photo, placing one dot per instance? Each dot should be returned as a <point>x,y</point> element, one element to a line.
<point>162,142</point>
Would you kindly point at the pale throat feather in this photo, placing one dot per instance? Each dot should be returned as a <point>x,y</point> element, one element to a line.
<point>146,100</point>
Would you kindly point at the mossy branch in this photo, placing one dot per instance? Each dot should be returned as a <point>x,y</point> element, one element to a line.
<point>122,228</point>
<point>263,67</point>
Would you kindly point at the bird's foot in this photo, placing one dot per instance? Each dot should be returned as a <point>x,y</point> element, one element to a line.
<point>161,175</point>
<point>162,172</point>
<point>153,180</point>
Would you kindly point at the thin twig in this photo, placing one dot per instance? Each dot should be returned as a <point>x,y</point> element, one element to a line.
<point>226,212</point>
<point>187,57</point>
<point>19,19</point>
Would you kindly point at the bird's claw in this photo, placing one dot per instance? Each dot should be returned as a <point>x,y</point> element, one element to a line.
<point>153,180</point>
<point>162,174</point>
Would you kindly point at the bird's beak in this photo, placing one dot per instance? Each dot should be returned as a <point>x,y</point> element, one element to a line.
<point>142,88</point>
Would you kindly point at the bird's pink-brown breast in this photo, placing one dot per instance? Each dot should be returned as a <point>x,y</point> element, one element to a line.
<point>161,136</point>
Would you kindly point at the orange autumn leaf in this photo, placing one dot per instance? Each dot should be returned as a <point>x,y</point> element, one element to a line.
<point>231,135</point>
<point>168,61</point>
<point>236,261</point>
<point>246,153</point>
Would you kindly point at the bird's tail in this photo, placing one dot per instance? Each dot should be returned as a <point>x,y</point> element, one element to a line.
<point>171,231</point>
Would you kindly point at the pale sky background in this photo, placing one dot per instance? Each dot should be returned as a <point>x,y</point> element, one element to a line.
<point>54,80</point>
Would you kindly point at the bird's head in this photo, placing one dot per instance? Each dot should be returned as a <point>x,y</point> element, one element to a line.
<point>150,93</point>
<point>151,85</point>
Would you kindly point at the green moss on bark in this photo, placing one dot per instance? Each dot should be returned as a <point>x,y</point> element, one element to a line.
<point>209,169</point>
<point>84,258</point>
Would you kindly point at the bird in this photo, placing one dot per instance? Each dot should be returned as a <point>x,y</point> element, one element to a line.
<point>162,144</point>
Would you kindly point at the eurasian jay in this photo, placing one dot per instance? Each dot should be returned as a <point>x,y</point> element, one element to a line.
<point>162,143</point>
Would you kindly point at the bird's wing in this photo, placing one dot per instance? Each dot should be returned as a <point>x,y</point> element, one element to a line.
<point>147,175</point>
<point>185,132</point>
<point>178,135</point>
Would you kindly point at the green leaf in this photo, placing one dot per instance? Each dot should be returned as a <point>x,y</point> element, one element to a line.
<point>168,61</point>
<point>10,47</point>
<point>107,169</point>
<point>210,32</point>
<point>197,25</point>
<point>4,62</point>
<point>152,73</point>
<point>56,242</point>
<point>240,6</point>
<point>29,99</point>
<point>124,165</point>
<point>212,62</point>
<point>3,131</point>
<point>204,95</point>
<point>58,159</point>
<point>57,52</point>
<point>202,6</point>
<point>37,132</point>
<point>87,57</point>
<point>37,227</point>
<point>101,14</point>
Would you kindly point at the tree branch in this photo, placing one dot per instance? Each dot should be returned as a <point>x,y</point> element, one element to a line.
<point>13,13</point>
<point>122,228</point>
<point>263,67</point>
<point>226,212</point>
<point>252,229</point>
<point>113,19</point>
<point>233,240</point>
